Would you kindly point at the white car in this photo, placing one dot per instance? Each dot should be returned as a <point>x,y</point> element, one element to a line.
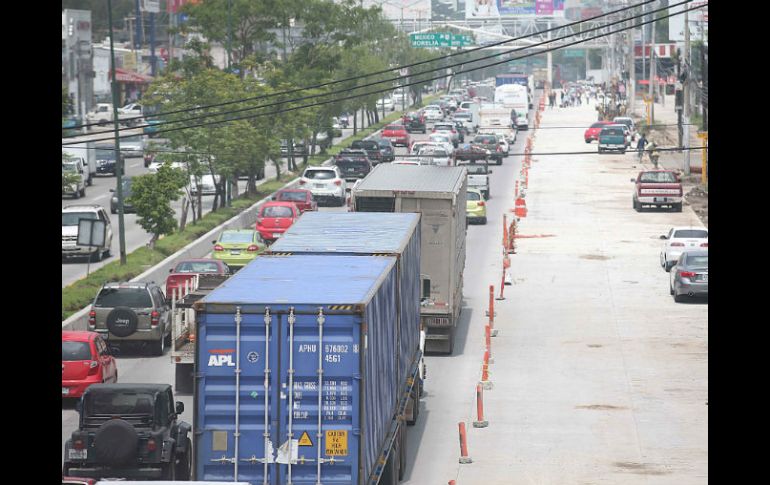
<point>325,183</point>
<point>207,184</point>
<point>387,103</point>
<point>418,145</point>
<point>433,112</point>
<point>437,153</point>
<point>449,129</point>
<point>442,139</point>
<point>133,146</point>
<point>629,122</point>
<point>679,240</point>
<point>70,215</point>
<point>154,166</point>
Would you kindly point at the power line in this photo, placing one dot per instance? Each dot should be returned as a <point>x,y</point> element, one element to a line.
<point>430,79</point>
<point>390,70</point>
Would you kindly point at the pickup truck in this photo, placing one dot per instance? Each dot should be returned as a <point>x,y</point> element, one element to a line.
<point>101,114</point>
<point>478,176</point>
<point>470,152</point>
<point>490,142</point>
<point>73,177</point>
<point>657,188</point>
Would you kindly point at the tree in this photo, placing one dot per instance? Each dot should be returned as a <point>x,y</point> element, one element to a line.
<point>151,196</point>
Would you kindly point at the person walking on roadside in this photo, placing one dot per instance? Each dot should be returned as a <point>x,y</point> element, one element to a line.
<point>640,145</point>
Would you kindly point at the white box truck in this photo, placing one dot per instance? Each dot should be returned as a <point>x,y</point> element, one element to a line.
<point>86,152</point>
<point>439,194</point>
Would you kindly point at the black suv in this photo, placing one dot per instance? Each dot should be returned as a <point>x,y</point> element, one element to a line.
<point>129,431</point>
<point>387,150</point>
<point>128,312</point>
<point>372,149</point>
<point>414,122</point>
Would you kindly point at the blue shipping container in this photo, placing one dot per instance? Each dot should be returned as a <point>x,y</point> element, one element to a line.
<point>501,79</point>
<point>369,233</point>
<point>263,336</point>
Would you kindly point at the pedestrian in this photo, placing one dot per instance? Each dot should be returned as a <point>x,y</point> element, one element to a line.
<point>561,98</point>
<point>640,145</point>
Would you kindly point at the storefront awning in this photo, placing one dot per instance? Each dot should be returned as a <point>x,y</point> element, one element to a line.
<point>126,76</point>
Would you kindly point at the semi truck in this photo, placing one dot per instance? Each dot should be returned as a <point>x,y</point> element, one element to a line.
<point>297,373</point>
<point>516,98</point>
<point>439,194</point>
<point>182,353</point>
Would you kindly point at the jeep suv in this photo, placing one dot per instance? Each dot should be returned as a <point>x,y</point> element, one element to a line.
<point>128,312</point>
<point>129,431</point>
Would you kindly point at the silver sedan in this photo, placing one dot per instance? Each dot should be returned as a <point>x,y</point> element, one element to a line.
<point>690,276</point>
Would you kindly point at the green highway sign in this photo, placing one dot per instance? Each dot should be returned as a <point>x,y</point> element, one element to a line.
<point>440,39</point>
<point>574,52</point>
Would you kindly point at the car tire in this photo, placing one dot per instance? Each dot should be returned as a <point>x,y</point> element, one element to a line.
<point>108,253</point>
<point>588,141</point>
<point>680,298</point>
<point>483,220</point>
<point>158,346</point>
<point>668,266</point>
<point>637,206</point>
<point>96,256</point>
<point>184,465</point>
<point>124,313</point>
<point>670,290</point>
<point>115,443</point>
<point>168,339</point>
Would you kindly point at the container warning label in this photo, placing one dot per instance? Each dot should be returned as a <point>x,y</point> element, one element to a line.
<point>336,442</point>
<point>305,440</point>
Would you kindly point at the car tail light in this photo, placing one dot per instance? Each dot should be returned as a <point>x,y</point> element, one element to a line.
<point>94,369</point>
<point>677,244</point>
<point>302,182</point>
<point>338,182</point>
<point>499,148</point>
<point>79,444</point>
<point>704,245</point>
<point>480,203</point>
<point>687,274</point>
<point>252,248</point>
<point>154,318</point>
<point>454,131</point>
<point>92,318</point>
<point>151,445</point>
<point>218,248</point>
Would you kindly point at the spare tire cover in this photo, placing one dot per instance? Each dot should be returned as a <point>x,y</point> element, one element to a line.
<point>122,321</point>
<point>115,443</point>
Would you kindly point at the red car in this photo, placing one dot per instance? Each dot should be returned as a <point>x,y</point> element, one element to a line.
<point>592,133</point>
<point>397,135</point>
<point>187,269</point>
<point>85,360</point>
<point>302,198</point>
<point>274,218</point>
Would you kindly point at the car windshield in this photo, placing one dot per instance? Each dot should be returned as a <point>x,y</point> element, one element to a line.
<point>276,211</point>
<point>132,139</point>
<point>236,237</point>
<point>125,402</point>
<point>394,128</point>
<point>75,351</point>
<point>473,195</point>
<point>658,177</point>
<point>351,163</point>
<point>598,125</point>
<point>130,297</point>
<point>487,139</point>
<point>365,144</point>
<point>612,131</point>
<point>105,154</point>
<point>72,218</point>
<point>197,267</point>
<point>476,169</point>
<point>433,151</point>
<point>690,233</point>
<point>320,174</point>
<point>292,196</point>
<point>697,261</point>
<point>384,143</point>
<point>69,167</point>
<point>440,138</point>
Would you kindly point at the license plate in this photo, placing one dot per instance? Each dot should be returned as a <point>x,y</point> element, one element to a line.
<point>235,252</point>
<point>276,234</point>
<point>319,186</point>
<point>660,199</point>
<point>65,391</point>
<point>78,454</point>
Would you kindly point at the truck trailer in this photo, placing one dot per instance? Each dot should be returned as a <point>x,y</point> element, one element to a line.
<point>439,194</point>
<point>297,373</point>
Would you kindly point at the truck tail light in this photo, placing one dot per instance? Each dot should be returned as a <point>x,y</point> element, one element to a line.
<point>94,368</point>
<point>677,244</point>
<point>151,445</point>
<point>338,182</point>
<point>218,248</point>
<point>302,182</point>
<point>687,274</point>
<point>154,318</point>
<point>92,318</point>
<point>480,203</point>
<point>79,444</point>
<point>252,248</point>
<point>704,245</point>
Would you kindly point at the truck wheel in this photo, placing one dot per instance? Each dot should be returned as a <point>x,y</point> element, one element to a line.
<point>96,256</point>
<point>415,396</point>
<point>168,471</point>
<point>637,206</point>
<point>83,191</point>
<point>391,471</point>
<point>184,463</point>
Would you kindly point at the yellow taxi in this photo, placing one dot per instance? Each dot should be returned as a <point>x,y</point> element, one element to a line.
<point>476,207</point>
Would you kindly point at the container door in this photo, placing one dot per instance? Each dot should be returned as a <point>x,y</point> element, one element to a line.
<point>234,397</point>
<point>319,434</point>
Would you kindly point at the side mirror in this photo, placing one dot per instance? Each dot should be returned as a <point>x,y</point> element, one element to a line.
<point>663,236</point>
<point>112,190</point>
<point>171,270</point>
<point>179,407</point>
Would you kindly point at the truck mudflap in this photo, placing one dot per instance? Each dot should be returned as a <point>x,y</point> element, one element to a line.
<point>405,414</point>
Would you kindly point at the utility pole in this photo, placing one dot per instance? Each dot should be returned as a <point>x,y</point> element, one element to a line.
<point>118,159</point>
<point>704,79</point>
<point>652,80</point>
<point>549,60</point>
<point>685,112</point>
<point>631,89</point>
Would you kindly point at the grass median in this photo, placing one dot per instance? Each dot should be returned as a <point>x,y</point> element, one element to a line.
<point>80,294</point>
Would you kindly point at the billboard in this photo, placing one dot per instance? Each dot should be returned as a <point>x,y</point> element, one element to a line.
<point>495,9</point>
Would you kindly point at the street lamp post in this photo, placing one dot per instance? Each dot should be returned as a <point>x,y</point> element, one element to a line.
<point>118,159</point>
